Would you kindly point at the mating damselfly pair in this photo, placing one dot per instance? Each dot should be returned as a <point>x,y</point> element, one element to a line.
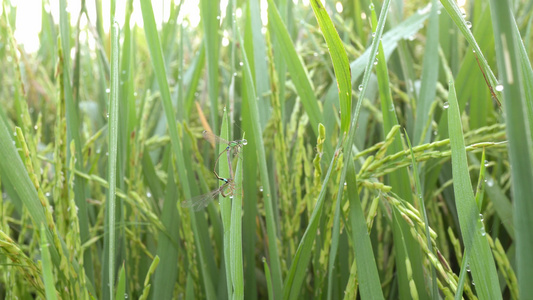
<point>200,202</point>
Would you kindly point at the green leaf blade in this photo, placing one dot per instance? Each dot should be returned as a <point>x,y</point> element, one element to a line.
<point>340,62</point>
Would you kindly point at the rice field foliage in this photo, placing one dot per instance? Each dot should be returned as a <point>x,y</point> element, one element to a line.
<point>367,149</point>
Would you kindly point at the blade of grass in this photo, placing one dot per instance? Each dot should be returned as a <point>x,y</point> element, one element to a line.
<point>281,67</point>
<point>196,69</point>
<point>421,204</point>
<point>296,68</point>
<point>249,185</point>
<point>48,276</point>
<point>344,86</point>
<point>456,15</point>
<point>367,271</point>
<point>209,11</point>
<point>225,204</point>
<point>113,152</point>
<point>251,102</point>
<point>430,73</point>
<point>15,175</point>
<point>340,62</point>
<point>475,243</point>
<point>270,288</point>
<point>121,284</point>
<point>156,55</point>
<point>73,127</point>
<point>390,42</point>
<point>366,267</point>
<point>236,260</point>
<point>167,246</point>
<point>471,85</point>
<point>527,73</point>
<point>399,180</point>
<point>520,140</point>
<point>502,204</point>
<point>259,66</point>
<point>302,256</point>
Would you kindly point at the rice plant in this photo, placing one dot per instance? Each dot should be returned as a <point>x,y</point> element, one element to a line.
<point>267,150</point>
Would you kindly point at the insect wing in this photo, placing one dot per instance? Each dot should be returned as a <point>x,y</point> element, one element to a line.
<point>200,202</point>
<point>209,136</point>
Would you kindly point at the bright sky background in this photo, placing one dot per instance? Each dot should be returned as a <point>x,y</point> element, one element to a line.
<point>27,33</point>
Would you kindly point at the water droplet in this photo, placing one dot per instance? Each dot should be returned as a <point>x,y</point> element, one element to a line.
<point>373,34</point>
<point>231,196</point>
<point>468,267</point>
<point>315,54</point>
<point>107,91</point>
<point>360,87</point>
<point>490,182</point>
<point>107,115</point>
<point>15,133</point>
<point>261,189</point>
<point>391,107</point>
<point>468,24</point>
<point>376,61</point>
<point>435,132</point>
<point>35,127</point>
<point>345,184</point>
<point>446,105</point>
<point>371,6</point>
<point>483,233</point>
<point>241,64</point>
<point>486,163</point>
<point>235,74</point>
<point>473,283</point>
<point>499,87</point>
<point>481,217</point>
<point>148,194</point>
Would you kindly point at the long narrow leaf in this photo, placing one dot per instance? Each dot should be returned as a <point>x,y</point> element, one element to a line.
<point>340,62</point>
<point>472,229</point>
<point>520,140</point>
<point>251,102</point>
<point>113,149</point>
<point>296,68</point>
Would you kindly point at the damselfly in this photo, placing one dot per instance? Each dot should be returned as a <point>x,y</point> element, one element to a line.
<point>232,145</point>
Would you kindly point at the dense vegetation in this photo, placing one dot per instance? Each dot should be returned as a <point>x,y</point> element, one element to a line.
<point>389,152</point>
